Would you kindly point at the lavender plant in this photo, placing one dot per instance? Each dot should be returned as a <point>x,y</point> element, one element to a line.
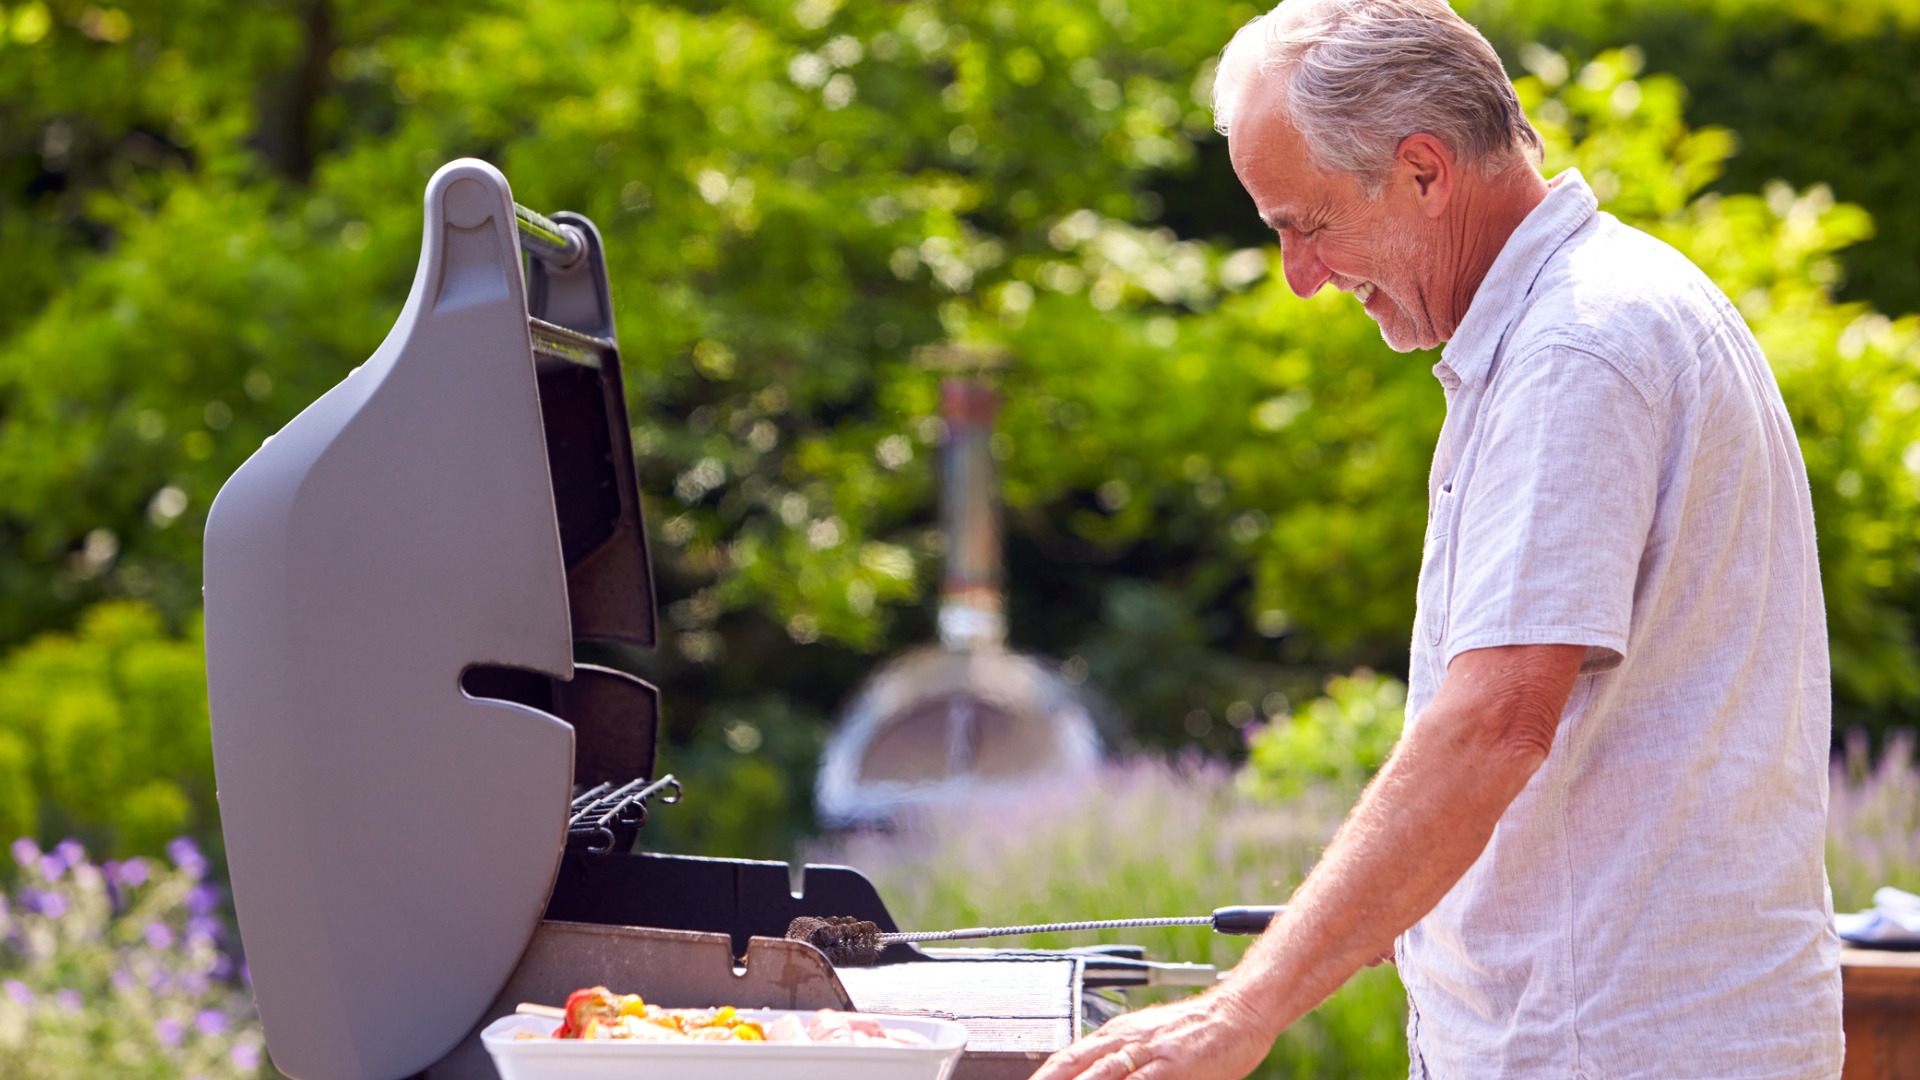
<point>1873,821</point>
<point>120,970</point>
<point>1143,838</point>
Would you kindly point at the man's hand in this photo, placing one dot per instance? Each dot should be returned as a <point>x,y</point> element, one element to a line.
<point>1210,1036</point>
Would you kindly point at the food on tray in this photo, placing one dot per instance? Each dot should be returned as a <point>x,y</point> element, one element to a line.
<point>599,1013</point>
<point>844,1028</point>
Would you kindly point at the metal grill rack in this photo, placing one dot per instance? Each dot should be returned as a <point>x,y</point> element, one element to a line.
<point>601,814</point>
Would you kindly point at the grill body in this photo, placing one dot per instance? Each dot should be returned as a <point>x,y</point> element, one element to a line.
<point>398,585</point>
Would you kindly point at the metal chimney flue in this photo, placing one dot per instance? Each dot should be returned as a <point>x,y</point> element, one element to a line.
<point>967,716</point>
<point>972,608</point>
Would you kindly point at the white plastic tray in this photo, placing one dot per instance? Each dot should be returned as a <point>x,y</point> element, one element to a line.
<point>616,1059</point>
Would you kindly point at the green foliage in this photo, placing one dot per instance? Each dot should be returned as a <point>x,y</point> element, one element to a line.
<point>1214,490</point>
<point>747,772</point>
<point>1340,739</point>
<point>103,734</point>
<point>1819,93</point>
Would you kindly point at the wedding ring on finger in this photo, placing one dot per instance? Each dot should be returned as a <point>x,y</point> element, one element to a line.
<point>1125,1054</point>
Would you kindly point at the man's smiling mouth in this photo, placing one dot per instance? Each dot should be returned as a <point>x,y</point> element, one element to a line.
<point>1363,293</point>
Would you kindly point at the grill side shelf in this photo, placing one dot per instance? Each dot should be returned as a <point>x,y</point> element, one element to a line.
<point>741,898</point>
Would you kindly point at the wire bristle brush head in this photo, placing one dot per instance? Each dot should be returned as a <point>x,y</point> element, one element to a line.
<point>847,941</point>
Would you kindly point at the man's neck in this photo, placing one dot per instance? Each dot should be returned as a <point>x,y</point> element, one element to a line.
<point>1490,210</point>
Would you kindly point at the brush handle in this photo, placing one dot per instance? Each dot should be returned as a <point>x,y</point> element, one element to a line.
<point>1245,919</point>
<point>1227,920</point>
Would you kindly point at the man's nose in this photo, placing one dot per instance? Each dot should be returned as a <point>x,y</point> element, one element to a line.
<point>1305,272</point>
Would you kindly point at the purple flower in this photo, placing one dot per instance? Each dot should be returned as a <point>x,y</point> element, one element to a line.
<point>26,852</point>
<point>159,936</point>
<point>70,852</point>
<point>210,1023</point>
<point>69,1000</point>
<point>221,967</point>
<point>18,991</point>
<point>123,981</point>
<point>202,930</point>
<point>53,905</point>
<point>133,872</point>
<point>186,855</point>
<point>52,866</point>
<point>246,974</point>
<point>245,1056</point>
<point>203,898</point>
<point>168,1030</point>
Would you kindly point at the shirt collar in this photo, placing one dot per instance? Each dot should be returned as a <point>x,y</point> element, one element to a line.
<point>1569,204</point>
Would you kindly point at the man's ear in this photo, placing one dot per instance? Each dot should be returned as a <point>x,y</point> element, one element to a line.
<point>1428,166</point>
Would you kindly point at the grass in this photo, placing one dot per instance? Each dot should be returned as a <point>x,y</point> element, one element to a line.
<point>1873,821</point>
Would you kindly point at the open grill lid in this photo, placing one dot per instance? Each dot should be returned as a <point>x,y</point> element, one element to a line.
<point>395,585</point>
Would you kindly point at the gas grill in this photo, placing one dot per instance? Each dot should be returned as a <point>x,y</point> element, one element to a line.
<point>430,807</point>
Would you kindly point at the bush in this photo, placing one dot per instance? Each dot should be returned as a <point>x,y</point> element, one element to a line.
<point>1340,739</point>
<point>121,971</point>
<point>104,735</point>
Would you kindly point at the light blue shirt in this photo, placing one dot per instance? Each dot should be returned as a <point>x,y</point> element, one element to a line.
<point>1617,470</point>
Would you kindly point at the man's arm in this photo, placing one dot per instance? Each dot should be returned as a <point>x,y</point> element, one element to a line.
<point>1417,829</point>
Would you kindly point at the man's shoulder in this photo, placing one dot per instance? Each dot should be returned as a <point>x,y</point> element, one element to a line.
<point>1626,298</point>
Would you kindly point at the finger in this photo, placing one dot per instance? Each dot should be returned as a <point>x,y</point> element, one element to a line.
<point>1076,1060</point>
<point>1125,1061</point>
<point>1156,1070</point>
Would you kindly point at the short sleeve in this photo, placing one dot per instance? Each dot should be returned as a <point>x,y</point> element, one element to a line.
<point>1554,520</point>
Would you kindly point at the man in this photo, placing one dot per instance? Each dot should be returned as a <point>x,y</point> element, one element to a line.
<point>1599,843</point>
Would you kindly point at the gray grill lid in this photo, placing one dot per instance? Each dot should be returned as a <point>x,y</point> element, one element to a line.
<point>393,840</point>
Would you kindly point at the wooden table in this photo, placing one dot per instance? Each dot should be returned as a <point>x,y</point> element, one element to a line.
<point>1882,1010</point>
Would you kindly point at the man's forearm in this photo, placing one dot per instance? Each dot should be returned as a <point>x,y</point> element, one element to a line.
<point>1417,829</point>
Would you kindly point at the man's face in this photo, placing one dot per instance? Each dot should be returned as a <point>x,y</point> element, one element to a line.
<point>1330,231</point>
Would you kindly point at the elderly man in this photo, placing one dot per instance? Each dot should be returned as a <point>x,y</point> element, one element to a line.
<point>1599,843</point>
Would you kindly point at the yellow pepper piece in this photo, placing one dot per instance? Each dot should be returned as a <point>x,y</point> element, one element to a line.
<point>631,1005</point>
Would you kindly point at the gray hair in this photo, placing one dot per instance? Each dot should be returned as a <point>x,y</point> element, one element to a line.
<point>1361,75</point>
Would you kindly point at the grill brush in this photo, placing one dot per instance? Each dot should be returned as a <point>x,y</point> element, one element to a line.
<point>851,942</point>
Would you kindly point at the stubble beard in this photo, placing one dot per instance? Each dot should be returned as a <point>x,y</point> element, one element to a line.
<point>1407,323</point>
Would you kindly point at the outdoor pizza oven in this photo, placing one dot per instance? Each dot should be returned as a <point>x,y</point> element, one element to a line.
<point>429,805</point>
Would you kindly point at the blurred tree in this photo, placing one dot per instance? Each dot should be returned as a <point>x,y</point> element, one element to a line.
<point>1819,93</point>
<point>1215,491</point>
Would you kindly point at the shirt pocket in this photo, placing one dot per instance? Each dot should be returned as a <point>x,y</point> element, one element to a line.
<point>1434,592</point>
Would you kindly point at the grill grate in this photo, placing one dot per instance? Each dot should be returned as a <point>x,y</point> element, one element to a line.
<point>1018,1005</point>
<point>600,813</point>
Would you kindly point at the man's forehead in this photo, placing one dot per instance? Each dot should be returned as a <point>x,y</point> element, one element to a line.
<point>1270,155</point>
